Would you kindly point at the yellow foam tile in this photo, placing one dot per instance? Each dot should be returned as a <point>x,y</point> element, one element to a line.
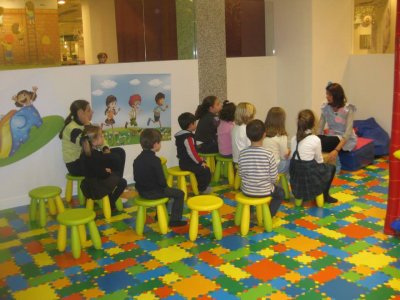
<point>371,260</point>
<point>344,197</point>
<point>363,270</point>
<point>170,254</point>
<point>304,259</point>
<point>10,244</point>
<point>375,212</point>
<point>377,250</point>
<point>131,209</point>
<point>120,217</point>
<point>278,222</point>
<point>330,233</point>
<point>61,283</point>
<point>380,236</point>
<point>147,296</point>
<point>267,252</point>
<point>170,278</point>
<point>219,250</point>
<point>31,233</point>
<point>233,272</point>
<point>311,219</point>
<point>293,277</point>
<point>48,241</point>
<point>394,283</point>
<point>89,266</point>
<point>356,209</point>
<point>3,222</point>
<point>93,293</point>
<point>43,291</point>
<point>357,177</point>
<point>381,223</point>
<point>152,264</point>
<point>187,245</point>
<point>114,250</point>
<point>279,296</point>
<point>351,219</point>
<point>109,231</point>
<point>279,238</point>
<point>43,259</point>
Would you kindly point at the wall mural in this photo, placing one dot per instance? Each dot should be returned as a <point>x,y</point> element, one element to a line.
<point>22,130</point>
<point>126,104</point>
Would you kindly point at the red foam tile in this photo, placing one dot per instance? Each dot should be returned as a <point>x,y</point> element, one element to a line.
<point>316,253</point>
<point>230,230</point>
<point>75,296</point>
<point>164,291</point>
<point>279,248</point>
<point>66,260</point>
<point>211,258</point>
<point>6,231</point>
<point>129,246</point>
<point>34,247</point>
<point>121,265</point>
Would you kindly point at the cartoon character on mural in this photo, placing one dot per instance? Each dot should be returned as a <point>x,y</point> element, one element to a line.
<point>8,47</point>
<point>15,126</point>
<point>18,32</point>
<point>111,110</point>
<point>30,12</point>
<point>134,102</point>
<point>160,99</point>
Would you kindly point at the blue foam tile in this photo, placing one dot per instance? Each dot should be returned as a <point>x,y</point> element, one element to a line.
<point>221,294</point>
<point>143,258</point>
<point>22,258</point>
<point>290,226</point>
<point>259,237</point>
<point>115,281</point>
<point>105,261</point>
<point>278,283</point>
<point>147,245</point>
<point>21,209</point>
<point>340,207</point>
<point>374,280</point>
<point>342,223</point>
<point>175,297</point>
<point>334,251</point>
<point>308,233</point>
<point>342,289</point>
<point>348,240</point>
<point>319,212</point>
<point>255,257</point>
<point>233,242</point>
<point>207,271</point>
<point>16,283</point>
<point>293,291</point>
<point>49,269</point>
<point>108,245</point>
<point>305,271</point>
<point>379,189</point>
<point>292,253</point>
<point>371,220</point>
<point>191,261</point>
<point>79,278</point>
<point>152,274</point>
<point>72,270</point>
<point>371,240</point>
<point>344,266</point>
<point>250,282</point>
<point>17,224</point>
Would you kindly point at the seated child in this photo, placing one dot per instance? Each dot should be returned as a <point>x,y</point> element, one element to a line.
<point>244,113</point>
<point>97,164</point>
<point>257,168</point>
<point>149,177</point>
<point>224,130</point>
<point>189,159</point>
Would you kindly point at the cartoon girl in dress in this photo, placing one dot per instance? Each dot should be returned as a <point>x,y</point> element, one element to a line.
<point>111,110</point>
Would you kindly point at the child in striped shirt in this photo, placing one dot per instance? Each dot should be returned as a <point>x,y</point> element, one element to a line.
<point>257,168</point>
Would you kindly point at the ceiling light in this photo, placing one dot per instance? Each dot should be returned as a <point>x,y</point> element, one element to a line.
<point>61,2</point>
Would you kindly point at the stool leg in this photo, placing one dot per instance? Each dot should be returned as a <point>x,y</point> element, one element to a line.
<point>231,174</point>
<point>89,204</point>
<point>217,227</point>
<point>119,205</point>
<point>82,234</point>
<point>193,183</point>
<point>182,185</point>
<point>298,202</point>
<point>194,225</point>
<point>259,214</point>
<point>245,222</point>
<point>225,169</point>
<point>267,218</point>
<point>42,213</point>
<point>170,180</point>
<point>217,172</point>
<point>94,235</point>
<point>75,243</point>
<point>320,200</point>
<point>106,207</point>
<point>59,204</point>
<point>32,210</point>
<point>165,170</point>
<point>52,206</point>
<point>237,182</point>
<point>238,215</point>
<point>140,219</point>
<point>68,191</point>
<point>285,185</point>
<point>81,197</point>
<point>162,218</point>
<point>212,163</point>
<point>62,238</point>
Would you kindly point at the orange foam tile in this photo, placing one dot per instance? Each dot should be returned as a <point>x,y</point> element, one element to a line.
<point>93,293</point>
<point>356,231</point>
<point>258,270</point>
<point>279,248</point>
<point>327,274</point>
<point>121,265</point>
<point>8,268</point>
<point>303,244</point>
<point>163,292</point>
<point>305,224</point>
<point>66,260</point>
<point>61,283</point>
<point>316,253</point>
<point>195,286</point>
<point>34,247</point>
<point>124,237</point>
<point>152,264</point>
<point>211,258</point>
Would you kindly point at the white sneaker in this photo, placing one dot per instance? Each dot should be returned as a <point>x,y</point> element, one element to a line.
<point>207,191</point>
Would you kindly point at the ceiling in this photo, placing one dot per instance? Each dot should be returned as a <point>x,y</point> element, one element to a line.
<point>70,17</point>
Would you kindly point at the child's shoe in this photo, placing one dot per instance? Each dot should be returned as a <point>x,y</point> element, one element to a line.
<point>330,199</point>
<point>207,191</point>
<point>178,223</point>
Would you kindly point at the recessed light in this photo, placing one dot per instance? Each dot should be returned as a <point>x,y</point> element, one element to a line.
<point>61,2</point>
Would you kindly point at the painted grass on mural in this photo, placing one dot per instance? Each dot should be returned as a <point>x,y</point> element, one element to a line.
<point>127,136</point>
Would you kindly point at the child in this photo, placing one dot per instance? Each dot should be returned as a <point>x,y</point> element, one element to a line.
<point>160,99</point>
<point>102,57</point>
<point>224,130</point>
<point>257,168</point>
<point>149,176</point>
<point>100,180</point>
<point>244,113</point>
<point>309,176</point>
<point>188,157</point>
<point>111,110</point>
<point>276,138</point>
<point>206,133</point>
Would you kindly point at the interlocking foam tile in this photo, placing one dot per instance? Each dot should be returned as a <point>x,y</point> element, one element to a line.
<point>335,252</point>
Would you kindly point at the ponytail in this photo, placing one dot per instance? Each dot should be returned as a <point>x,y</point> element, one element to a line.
<point>204,107</point>
<point>66,122</point>
<point>73,113</point>
<point>90,133</point>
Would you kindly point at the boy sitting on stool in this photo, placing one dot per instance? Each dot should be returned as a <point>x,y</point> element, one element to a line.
<point>149,176</point>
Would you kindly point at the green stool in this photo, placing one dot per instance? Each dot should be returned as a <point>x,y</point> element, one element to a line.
<point>69,188</point>
<point>104,203</point>
<point>38,197</point>
<point>284,184</point>
<point>162,214</point>
<point>319,200</point>
<point>210,160</point>
<point>224,166</point>
<point>77,218</point>
<point>263,213</point>
<point>164,166</point>
<point>205,203</point>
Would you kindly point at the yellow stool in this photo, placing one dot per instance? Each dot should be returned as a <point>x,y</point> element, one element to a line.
<point>237,181</point>
<point>242,216</point>
<point>77,218</point>
<point>210,160</point>
<point>224,166</point>
<point>180,174</point>
<point>164,166</point>
<point>105,204</point>
<point>319,200</point>
<point>38,196</point>
<point>69,188</point>
<point>396,154</point>
<point>162,214</point>
<point>205,203</point>
<point>284,184</point>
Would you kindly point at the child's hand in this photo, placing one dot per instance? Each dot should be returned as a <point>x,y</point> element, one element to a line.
<point>106,149</point>
<point>108,170</point>
<point>204,165</point>
<point>332,155</point>
<point>288,154</point>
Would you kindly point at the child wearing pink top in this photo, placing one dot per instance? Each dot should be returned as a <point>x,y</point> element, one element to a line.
<point>224,130</point>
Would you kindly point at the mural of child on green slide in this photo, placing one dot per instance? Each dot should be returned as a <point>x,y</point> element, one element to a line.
<point>23,131</point>
<point>136,94</point>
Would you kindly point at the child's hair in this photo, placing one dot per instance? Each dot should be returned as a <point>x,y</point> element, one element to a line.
<point>90,133</point>
<point>73,113</point>
<point>244,113</point>
<point>337,92</point>
<point>149,137</point>
<point>255,130</point>
<point>159,96</point>
<point>205,105</point>
<point>102,55</point>
<point>186,119</point>
<point>305,121</point>
<point>275,122</point>
<point>227,112</point>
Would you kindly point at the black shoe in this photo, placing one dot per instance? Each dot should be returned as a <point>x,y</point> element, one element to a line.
<point>177,223</point>
<point>331,200</point>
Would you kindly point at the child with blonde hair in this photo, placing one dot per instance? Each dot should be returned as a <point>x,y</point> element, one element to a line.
<point>244,113</point>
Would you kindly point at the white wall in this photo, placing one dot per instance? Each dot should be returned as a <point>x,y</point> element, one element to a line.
<point>58,87</point>
<point>253,79</point>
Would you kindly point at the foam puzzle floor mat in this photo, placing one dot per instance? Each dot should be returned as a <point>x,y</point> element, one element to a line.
<point>335,252</point>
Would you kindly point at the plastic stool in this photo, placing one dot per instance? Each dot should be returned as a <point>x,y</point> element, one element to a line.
<point>105,204</point>
<point>162,214</point>
<point>38,196</point>
<point>210,160</point>
<point>164,166</point>
<point>180,174</point>
<point>242,216</point>
<point>69,187</point>
<point>319,200</point>
<point>77,218</point>
<point>284,185</point>
<point>237,181</point>
<point>205,203</point>
<point>227,165</point>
